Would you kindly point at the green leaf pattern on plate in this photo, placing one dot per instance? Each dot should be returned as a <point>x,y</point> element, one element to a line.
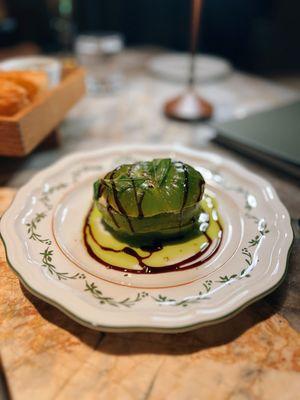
<point>126,302</point>
<point>91,288</point>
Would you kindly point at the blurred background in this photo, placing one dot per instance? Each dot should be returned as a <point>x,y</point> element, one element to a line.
<point>135,59</point>
<point>260,36</point>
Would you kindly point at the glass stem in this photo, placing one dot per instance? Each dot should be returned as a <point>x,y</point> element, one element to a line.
<point>195,21</point>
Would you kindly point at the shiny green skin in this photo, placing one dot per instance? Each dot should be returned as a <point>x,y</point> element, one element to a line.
<point>159,197</point>
<point>161,226</point>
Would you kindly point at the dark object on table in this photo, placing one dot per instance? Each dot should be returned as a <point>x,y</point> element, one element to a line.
<point>273,136</point>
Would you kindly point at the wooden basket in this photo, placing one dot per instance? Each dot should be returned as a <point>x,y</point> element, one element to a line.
<point>20,134</point>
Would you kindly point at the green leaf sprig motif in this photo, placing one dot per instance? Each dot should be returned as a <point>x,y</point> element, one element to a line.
<point>32,227</point>
<point>45,197</point>
<point>127,302</point>
<point>262,232</point>
<point>202,295</point>
<point>47,263</point>
<point>164,300</point>
<point>245,272</point>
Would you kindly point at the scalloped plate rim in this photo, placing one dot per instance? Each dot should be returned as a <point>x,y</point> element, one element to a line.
<point>37,291</point>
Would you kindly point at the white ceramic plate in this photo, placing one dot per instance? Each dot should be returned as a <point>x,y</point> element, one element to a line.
<point>42,232</point>
<point>175,66</point>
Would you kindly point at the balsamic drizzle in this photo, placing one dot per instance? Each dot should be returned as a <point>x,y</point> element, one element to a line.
<point>191,262</point>
<point>139,205</point>
<point>117,200</point>
<point>100,191</point>
<point>137,199</point>
<point>110,212</point>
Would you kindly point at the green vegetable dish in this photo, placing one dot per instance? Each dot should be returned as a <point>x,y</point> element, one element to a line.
<point>152,216</point>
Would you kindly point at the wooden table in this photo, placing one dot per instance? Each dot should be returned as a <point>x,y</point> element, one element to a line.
<point>255,355</point>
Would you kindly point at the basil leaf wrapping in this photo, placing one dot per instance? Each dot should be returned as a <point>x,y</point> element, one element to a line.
<point>150,196</point>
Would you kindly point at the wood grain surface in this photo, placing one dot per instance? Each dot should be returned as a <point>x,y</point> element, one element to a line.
<point>45,355</point>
